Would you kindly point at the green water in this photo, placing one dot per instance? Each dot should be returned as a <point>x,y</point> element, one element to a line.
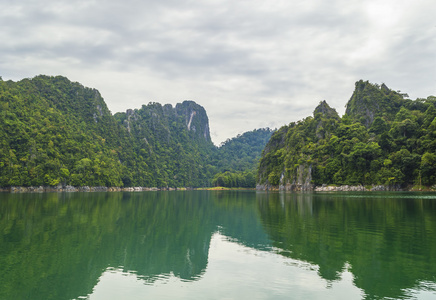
<point>217,245</point>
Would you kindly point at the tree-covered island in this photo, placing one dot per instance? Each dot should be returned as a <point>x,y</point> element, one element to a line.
<point>383,141</point>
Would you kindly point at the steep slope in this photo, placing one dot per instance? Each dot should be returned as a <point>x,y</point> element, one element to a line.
<point>382,139</point>
<point>56,131</point>
<point>372,100</point>
<point>174,143</point>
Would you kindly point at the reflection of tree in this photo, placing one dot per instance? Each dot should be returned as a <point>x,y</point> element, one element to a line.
<point>56,246</point>
<point>168,233</point>
<point>238,218</point>
<point>389,243</point>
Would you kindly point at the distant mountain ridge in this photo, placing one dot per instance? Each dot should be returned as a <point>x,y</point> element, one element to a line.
<point>238,158</point>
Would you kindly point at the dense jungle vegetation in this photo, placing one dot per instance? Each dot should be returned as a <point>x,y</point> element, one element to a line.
<point>238,159</point>
<point>58,132</point>
<point>383,139</point>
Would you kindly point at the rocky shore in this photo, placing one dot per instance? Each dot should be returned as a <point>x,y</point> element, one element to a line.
<point>356,188</point>
<point>69,188</point>
<point>328,188</point>
<point>289,188</point>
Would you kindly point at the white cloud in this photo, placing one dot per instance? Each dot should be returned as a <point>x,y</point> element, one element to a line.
<point>249,63</point>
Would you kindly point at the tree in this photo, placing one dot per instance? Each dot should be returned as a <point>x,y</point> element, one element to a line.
<point>428,168</point>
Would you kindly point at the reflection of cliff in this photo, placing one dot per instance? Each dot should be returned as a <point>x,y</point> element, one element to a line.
<point>169,233</point>
<point>238,218</point>
<point>57,246</point>
<point>387,242</point>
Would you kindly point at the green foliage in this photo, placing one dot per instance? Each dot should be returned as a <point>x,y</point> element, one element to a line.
<point>243,151</point>
<point>55,131</point>
<point>58,132</point>
<point>170,147</point>
<point>245,179</point>
<point>428,168</point>
<point>237,159</point>
<point>382,139</point>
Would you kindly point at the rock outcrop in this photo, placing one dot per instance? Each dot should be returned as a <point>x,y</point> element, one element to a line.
<point>71,189</point>
<point>371,100</point>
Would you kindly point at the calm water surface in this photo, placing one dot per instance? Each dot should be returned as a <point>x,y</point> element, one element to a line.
<point>217,245</point>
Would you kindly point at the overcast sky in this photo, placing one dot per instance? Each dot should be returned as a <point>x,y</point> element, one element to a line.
<point>251,64</point>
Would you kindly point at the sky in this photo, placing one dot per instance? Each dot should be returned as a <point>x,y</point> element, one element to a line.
<point>250,64</point>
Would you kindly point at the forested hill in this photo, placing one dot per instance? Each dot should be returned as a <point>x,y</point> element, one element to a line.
<point>243,152</point>
<point>171,146</point>
<point>58,132</point>
<point>237,159</point>
<point>383,139</point>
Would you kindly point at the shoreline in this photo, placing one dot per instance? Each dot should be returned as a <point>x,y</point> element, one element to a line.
<point>73,189</point>
<point>346,188</point>
<point>292,188</point>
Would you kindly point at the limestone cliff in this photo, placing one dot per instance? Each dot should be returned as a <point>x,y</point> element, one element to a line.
<point>325,110</point>
<point>196,119</point>
<point>371,100</point>
<point>382,140</point>
<point>174,140</point>
<point>326,119</point>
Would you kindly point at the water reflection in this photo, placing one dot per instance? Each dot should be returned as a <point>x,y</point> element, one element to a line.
<point>56,246</point>
<point>388,239</point>
<point>62,246</point>
<point>234,272</point>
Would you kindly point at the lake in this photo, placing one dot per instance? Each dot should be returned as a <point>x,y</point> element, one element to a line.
<point>217,245</point>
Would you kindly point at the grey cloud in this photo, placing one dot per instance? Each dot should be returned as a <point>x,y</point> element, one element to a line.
<point>261,59</point>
